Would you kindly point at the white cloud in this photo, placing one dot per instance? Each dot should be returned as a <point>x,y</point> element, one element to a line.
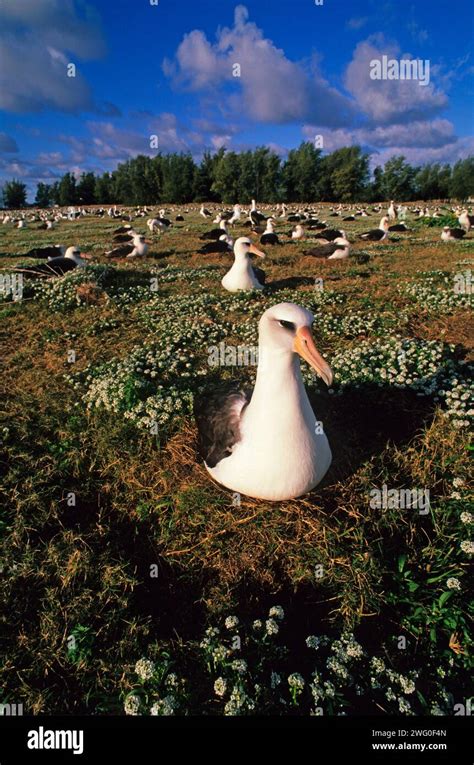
<point>389,101</point>
<point>38,39</point>
<point>435,134</point>
<point>270,88</point>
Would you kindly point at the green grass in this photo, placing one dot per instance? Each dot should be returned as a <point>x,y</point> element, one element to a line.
<point>143,501</point>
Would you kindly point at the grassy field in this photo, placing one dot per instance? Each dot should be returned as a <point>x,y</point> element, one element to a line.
<point>116,545</point>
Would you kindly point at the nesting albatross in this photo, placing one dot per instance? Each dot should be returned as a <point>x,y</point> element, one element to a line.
<point>242,275</point>
<point>267,444</point>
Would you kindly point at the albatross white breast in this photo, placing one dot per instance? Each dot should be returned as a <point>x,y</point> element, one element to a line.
<point>242,275</point>
<point>267,444</point>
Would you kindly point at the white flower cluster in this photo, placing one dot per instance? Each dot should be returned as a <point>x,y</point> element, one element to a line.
<point>427,367</point>
<point>377,665</point>
<point>239,702</point>
<point>276,612</point>
<point>239,666</point>
<point>296,681</point>
<point>132,704</point>
<point>337,667</point>
<point>271,627</point>
<point>435,293</point>
<point>220,686</point>
<point>61,294</point>
<point>453,584</point>
<point>154,383</point>
<point>144,669</point>
<point>164,707</point>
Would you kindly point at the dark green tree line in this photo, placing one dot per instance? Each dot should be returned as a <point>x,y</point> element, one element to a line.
<point>306,175</point>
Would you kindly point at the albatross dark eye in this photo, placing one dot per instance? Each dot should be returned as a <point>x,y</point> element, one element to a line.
<point>286,324</point>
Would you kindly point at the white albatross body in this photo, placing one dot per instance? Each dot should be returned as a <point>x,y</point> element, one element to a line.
<point>241,276</point>
<point>341,254</point>
<point>281,453</point>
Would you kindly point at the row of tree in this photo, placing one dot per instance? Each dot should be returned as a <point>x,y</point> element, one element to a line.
<point>305,175</point>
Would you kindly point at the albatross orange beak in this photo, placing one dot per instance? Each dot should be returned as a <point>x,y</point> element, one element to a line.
<point>305,347</point>
<point>255,251</point>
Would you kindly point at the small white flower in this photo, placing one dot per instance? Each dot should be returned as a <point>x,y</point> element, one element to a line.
<point>164,707</point>
<point>172,680</point>
<point>271,627</point>
<point>144,669</point>
<point>329,689</point>
<point>231,622</point>
<point>220,686</point>
<point>453,583</point>
<point>313,642</point>
<point>407,685</point>
<point>468,547</point>
<point>295,680</point>
<point>466,517</point>
<point>404,705</point>
<point>277,612</point>
<point>354,650</point>
<point>377,665</point>
<point>240,666</point>
<point>132,704</point>
<point>220,653</point>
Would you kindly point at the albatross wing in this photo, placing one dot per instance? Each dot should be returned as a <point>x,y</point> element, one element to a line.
<point>218,418</point>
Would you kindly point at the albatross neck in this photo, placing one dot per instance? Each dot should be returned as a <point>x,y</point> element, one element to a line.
<point>278,376</point>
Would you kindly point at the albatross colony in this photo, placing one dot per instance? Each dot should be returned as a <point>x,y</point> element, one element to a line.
<point>263,443</point>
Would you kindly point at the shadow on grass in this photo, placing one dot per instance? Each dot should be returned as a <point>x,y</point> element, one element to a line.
<point>360,423</point>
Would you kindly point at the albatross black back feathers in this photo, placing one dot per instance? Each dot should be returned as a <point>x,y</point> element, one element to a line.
<point>218,420</point>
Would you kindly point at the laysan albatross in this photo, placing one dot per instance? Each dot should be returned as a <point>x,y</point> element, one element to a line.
<point>58,266</point>
<point>242,275</point>
<point>268,444</point>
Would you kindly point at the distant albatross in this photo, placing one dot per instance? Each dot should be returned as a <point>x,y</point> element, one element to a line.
<point>449,234</point>
<point>138,247</point>
<point>377,234</point>
<point>242,275</point>
<point>58,266</point>
<point>336,250</point>
<point>55,251</point>
<point>267,444</point>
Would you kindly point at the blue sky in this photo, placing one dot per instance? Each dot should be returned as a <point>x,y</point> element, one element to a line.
<point>167,70</point>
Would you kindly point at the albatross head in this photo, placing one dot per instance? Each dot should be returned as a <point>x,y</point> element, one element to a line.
<point>74,253</point>
<point>286,329</point>
<point>243,247</point>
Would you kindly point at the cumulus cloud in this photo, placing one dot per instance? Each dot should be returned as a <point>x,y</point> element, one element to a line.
<point>435,134</point>
<point>420,142</point>
<point>38,39</point>
<point>270,88</point>
<point>109,143</point>
<point>389,101</point>
<point>459,149</point>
